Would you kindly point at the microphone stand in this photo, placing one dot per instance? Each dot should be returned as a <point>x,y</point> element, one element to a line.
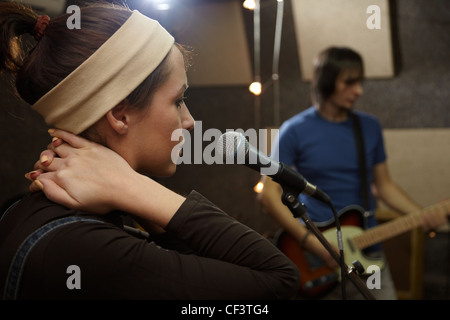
<point>290,199</point>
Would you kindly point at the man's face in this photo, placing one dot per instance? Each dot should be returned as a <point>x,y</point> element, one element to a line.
<point>348,88</point>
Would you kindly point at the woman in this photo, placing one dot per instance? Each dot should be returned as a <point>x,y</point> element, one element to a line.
<point>122,90</point>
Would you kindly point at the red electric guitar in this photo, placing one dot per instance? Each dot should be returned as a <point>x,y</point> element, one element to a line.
<point>316,279</point>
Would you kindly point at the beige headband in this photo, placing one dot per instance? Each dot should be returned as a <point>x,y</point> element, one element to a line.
<point>108,76</point>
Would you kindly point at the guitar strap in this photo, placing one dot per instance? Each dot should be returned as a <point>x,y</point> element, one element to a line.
<point>359,141</point>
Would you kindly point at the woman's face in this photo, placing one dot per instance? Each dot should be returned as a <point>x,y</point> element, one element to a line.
<point>151,135</point>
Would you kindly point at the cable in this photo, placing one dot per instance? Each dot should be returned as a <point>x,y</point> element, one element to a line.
<point>341,250</point>
<point>447,285</point>
<point>275,64</point>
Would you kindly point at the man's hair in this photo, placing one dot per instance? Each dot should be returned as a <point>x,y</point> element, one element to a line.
<point>328,65</point>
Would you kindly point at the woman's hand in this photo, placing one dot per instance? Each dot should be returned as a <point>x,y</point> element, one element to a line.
<point>81,174</point>
<point>84,175</point>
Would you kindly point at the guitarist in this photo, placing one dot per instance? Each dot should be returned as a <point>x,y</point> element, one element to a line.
<point>319,143</point>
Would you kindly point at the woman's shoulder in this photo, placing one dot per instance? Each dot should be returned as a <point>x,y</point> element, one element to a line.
<point>34,210</point>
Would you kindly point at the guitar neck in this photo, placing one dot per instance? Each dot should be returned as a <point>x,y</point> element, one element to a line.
<point>397,226</point>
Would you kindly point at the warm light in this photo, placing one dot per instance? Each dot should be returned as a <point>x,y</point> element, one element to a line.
<point>255,88</point>
<point>249,4</point>
<point>258,188</point>
<point>161,4</point>
<point>432,234</point>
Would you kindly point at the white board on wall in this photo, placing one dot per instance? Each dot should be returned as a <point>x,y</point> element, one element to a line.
<point>418,161</point>
<point>323,23</point>
<point>216,31</point>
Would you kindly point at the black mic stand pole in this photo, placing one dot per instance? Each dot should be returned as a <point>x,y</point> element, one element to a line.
<point>290,199</point>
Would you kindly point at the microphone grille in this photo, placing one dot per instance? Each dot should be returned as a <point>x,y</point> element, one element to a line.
<point>229,143</point>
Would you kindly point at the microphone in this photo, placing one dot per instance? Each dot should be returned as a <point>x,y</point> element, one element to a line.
<point>233,145</point>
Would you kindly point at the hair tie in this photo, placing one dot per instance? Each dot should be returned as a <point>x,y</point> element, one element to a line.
<point>40,26</point>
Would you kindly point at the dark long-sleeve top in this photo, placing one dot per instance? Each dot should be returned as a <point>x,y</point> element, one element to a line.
<point>204,254</point>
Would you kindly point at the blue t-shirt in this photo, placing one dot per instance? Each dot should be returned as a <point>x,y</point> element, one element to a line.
<point>325,153</point>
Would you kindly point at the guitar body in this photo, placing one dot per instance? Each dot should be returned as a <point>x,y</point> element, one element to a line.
<point>351,253</point>
<point>316,279</point>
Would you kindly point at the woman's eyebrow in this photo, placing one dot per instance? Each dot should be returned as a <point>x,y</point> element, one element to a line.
<point>183,89</point>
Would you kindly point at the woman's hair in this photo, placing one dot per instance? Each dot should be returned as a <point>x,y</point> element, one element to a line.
<point>37,69</point>
<point>328,65</point>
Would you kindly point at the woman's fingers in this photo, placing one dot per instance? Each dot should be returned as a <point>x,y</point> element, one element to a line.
<point>50,160</point>
<point>33,175</point>
<point>46,157</point>
<point>36,185</point>
<point>53,191</point>
<point>52,164</point>
<point>80,174</point>
<point>64,150</point>
<point>73,140</point>
<point>57,142</point>
<point>65,143</point>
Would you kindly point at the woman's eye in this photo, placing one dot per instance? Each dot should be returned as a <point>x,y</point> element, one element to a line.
<point>180,102</point>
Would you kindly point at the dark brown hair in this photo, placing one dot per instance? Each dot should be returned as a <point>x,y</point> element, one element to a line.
<point>37,69</point>
<point>327,67</point>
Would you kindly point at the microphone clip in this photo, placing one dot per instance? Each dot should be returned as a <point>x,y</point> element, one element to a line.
<point>290,199</point>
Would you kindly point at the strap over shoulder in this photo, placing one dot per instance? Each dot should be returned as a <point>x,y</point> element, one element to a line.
<point>17,265</point>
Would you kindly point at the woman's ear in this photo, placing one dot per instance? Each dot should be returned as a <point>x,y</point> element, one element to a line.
<point>118,118</point>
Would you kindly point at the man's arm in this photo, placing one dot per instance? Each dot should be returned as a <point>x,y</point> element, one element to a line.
<point>270,198</point>
<point>396,198</point>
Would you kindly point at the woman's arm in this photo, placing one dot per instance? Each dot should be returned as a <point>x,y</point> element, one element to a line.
<point>232,260</point>
<point>88,176</point>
